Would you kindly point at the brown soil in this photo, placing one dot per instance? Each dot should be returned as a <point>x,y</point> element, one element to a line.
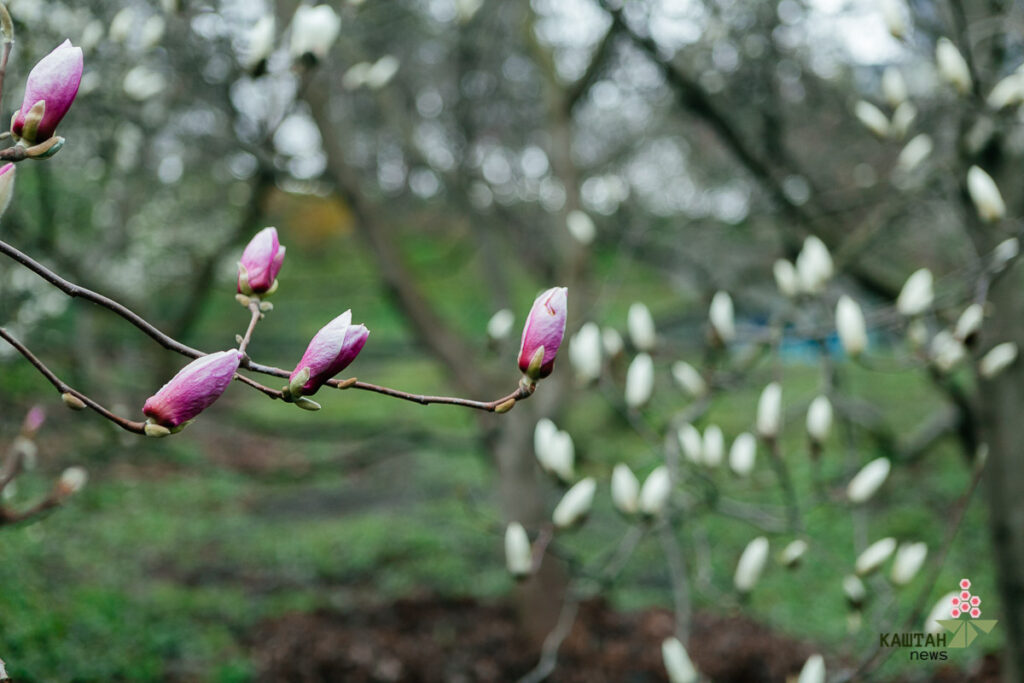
<point>431,640</point>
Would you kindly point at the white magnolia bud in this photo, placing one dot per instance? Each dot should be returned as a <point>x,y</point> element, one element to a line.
<point>639,381</point>
<point>916,296</point>
<point>894,16</point>
<point>1005,251</point>
<point>819,419</point>
<point>625,489</point>
<point>792,553</point>
<point>575,504</point>
<point>501,323</point>
<point>952,66</point>
<point>381,72</point>
<point>769,411</point>
<point>985,195</point>
<point>611,340</point>
<point>813,670</point>
<point>543,433</point>
<point>939,611</point>
<point>71,481</point>
<point>1008,92</point>
<point>689,379</point>
<point>742,454</point>
<point>893,86</point>
<point>641,327</point>
<point>874,556</point>
<point>786,278</point>
<point>92,34</point>
<point>556,453</point>
<point>677,662</point>
<point>946,351</point>
<point>121,25</point>
<point>872,118</point>
<point>969,322</point>
<point>314,30</point>
<point>850,326</point>
<point>867,482</point>
<point>152,32</point>
<point>752,561</point>
<point>902,120</point>
<point>260,41</point>
<point>518,555</point>
<point>915,151</point>
<point>580,226</point>
<point>997,359</point>
<point>355,77</point>
<point>691,443</point>
<point>714,446</point>
<point>813,265</point>
<point>655,492</point>
<point>854,590</point>
<point>585,352</point>
<point>909,560</point>
<point>722,317</point>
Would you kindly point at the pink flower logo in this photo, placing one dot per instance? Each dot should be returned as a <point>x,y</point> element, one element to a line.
<point>965,603</point>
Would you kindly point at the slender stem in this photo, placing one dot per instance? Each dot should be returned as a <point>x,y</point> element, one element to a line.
<point>59,385</point>
<point>254,308</point>
<point>786,482</point>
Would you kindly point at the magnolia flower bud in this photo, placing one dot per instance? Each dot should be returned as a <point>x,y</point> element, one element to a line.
<point>639,381</point>
<point>641,327</point>
<point>518,555</point>
<point>946,351</point>
<point>1007,92</point>
<point>916,296</point>
<point>952,66</point>
<point>769,411</point>
<point>714,446</point>
<point>580,226</point>
<point>917,333</point>
<point>819,419</point>
<point>872,118</point>
<point>722,318</point>
<point>786,278</point>
<point>985,195</point>
<point>121,25</point>
<point>625,489</point>
<point>854,590</point>
<point>575,504</point>
<point>689,379</point>
<point>501,323</point>
<point>813,670</point>
<point>655,492</point>
<point>152,32</point>
<point>260,263</point>
<point>997,359</point>
<point>677,662</point>
<point>585,352</point>
<point>314,30</point>
<point>611,341</point>
<point>909,560</point>
<point>867,482</point>
<point>330,351</point>
<point>691,443</point>
<point>381,72</point>
<point>813,265</point>
<point>893,13</point>
<point>914,152</point>
<point>792,553</point>
<point>1005,251</point>
<point>54,80</point>
<point>192,390</point>
<point>7,172</point>
<point>72,401</point>
<point>902,120</point>
<point>71,481</point>
<point>939,611</point>
<point>742,454</point>
<point>543,332</point>
<point>874,556</point>
<point>969,322</point>
<point>555,451</point>
<point>34,419</point>
<point>748,569</point>
<point>260,43</point>
<point>893,86</point>
<point>850,326</point>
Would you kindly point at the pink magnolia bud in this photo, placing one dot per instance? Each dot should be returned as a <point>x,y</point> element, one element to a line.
<point>33,420</point>
<point>544,328</point>
<point>193,389</point>
<point>329,352</point>
<point>261,262</point>
<point>54,80</point>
